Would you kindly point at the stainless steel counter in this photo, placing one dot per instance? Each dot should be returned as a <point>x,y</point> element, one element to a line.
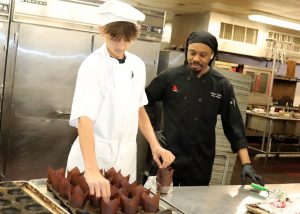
<point>208,199</point>
<point>221,199</point>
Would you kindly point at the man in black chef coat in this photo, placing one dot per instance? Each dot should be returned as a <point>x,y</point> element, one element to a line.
<point>193,95</point>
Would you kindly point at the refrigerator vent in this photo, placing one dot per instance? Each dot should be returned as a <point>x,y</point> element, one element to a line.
<point>238,33</point>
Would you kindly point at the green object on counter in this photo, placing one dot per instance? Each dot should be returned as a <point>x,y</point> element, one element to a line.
<point>259,187</point>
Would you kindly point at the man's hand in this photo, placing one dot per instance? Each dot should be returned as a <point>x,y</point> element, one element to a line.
<point>166,156</point>
<point>98,185</point>
<point>248,171</point>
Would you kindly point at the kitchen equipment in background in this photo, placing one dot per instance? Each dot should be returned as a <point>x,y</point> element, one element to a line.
<point>25,197</point>
<point>291,68</point>
<point>5,6</point>
<point>41,71</point>
<point>46,47</point>
<point>4,22</point>
<point>261,78</point>
<point>168,59</point>
<point>226,65</point>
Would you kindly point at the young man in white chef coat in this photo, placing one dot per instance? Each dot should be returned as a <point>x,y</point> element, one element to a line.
<point>108,104</point>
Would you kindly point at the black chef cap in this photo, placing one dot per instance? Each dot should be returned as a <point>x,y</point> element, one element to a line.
<point>204,38</point>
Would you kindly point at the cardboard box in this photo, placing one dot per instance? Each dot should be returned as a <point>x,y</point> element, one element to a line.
<point>291,67</point>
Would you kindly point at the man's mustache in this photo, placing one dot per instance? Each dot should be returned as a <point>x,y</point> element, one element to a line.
<point>196,63</point>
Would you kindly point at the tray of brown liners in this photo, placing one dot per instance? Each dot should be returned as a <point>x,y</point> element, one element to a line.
<point>23,197</point>
<point>127,198</point>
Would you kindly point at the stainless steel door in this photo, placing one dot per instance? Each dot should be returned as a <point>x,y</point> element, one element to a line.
<point>43,81</point>
<point>148,51</point>
<point>4,25</point>
<point>3,43</point>
<point>3,47</point>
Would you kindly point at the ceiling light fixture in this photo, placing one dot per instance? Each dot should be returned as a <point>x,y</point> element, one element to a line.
<point>274,20</point>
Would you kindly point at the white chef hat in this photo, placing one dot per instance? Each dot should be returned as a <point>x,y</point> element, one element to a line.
<point>114,10</point>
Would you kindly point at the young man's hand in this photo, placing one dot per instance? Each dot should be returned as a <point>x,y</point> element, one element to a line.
<point>98,185</point>
<point>166,156</point>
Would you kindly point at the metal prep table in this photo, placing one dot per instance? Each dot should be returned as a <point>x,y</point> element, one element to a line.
<point>273,125</point>
<point>208,199</point>
<point>221,199</point>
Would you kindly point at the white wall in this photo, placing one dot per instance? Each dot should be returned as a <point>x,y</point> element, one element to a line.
<point>237,47</point>
<point>184,24</point>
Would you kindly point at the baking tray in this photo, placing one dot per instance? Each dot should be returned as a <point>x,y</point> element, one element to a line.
<point>253,208</point>
<point>88,209</point>
<point>23,197</point>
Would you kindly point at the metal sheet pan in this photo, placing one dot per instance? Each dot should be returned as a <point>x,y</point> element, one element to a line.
<point>88,209</point>
<point>24,197</point>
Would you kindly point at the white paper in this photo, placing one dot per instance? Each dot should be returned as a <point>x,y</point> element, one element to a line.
<point>292,207</point>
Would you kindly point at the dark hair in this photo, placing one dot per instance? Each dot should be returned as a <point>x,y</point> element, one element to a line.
<point>120,29</point>
<point>203,37</point>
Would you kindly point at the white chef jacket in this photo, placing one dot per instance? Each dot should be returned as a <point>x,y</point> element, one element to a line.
<point>110,94</point>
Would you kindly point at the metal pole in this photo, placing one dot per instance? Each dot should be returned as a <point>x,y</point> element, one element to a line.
<point>275,49</point>
<point>269,121</point>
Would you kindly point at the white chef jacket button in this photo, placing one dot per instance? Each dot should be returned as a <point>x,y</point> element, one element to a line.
<point>200,100</point>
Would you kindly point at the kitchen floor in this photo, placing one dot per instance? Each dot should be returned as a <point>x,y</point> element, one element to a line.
<point>278,170</point>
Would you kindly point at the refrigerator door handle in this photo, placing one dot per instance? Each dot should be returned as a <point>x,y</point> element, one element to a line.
<point>62,113</point>
<point>16,38</point>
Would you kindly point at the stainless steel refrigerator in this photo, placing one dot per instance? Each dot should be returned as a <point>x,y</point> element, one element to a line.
<point>4,25</point>
<point>45,52</point>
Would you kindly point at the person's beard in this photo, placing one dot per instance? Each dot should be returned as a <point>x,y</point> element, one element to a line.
<point>196,67</point>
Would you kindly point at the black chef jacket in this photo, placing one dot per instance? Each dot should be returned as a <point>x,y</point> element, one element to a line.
<point>190,109</point>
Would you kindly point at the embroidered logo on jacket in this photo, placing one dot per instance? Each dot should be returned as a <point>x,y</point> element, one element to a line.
<point>216,95</point>
<point>174,88</point>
